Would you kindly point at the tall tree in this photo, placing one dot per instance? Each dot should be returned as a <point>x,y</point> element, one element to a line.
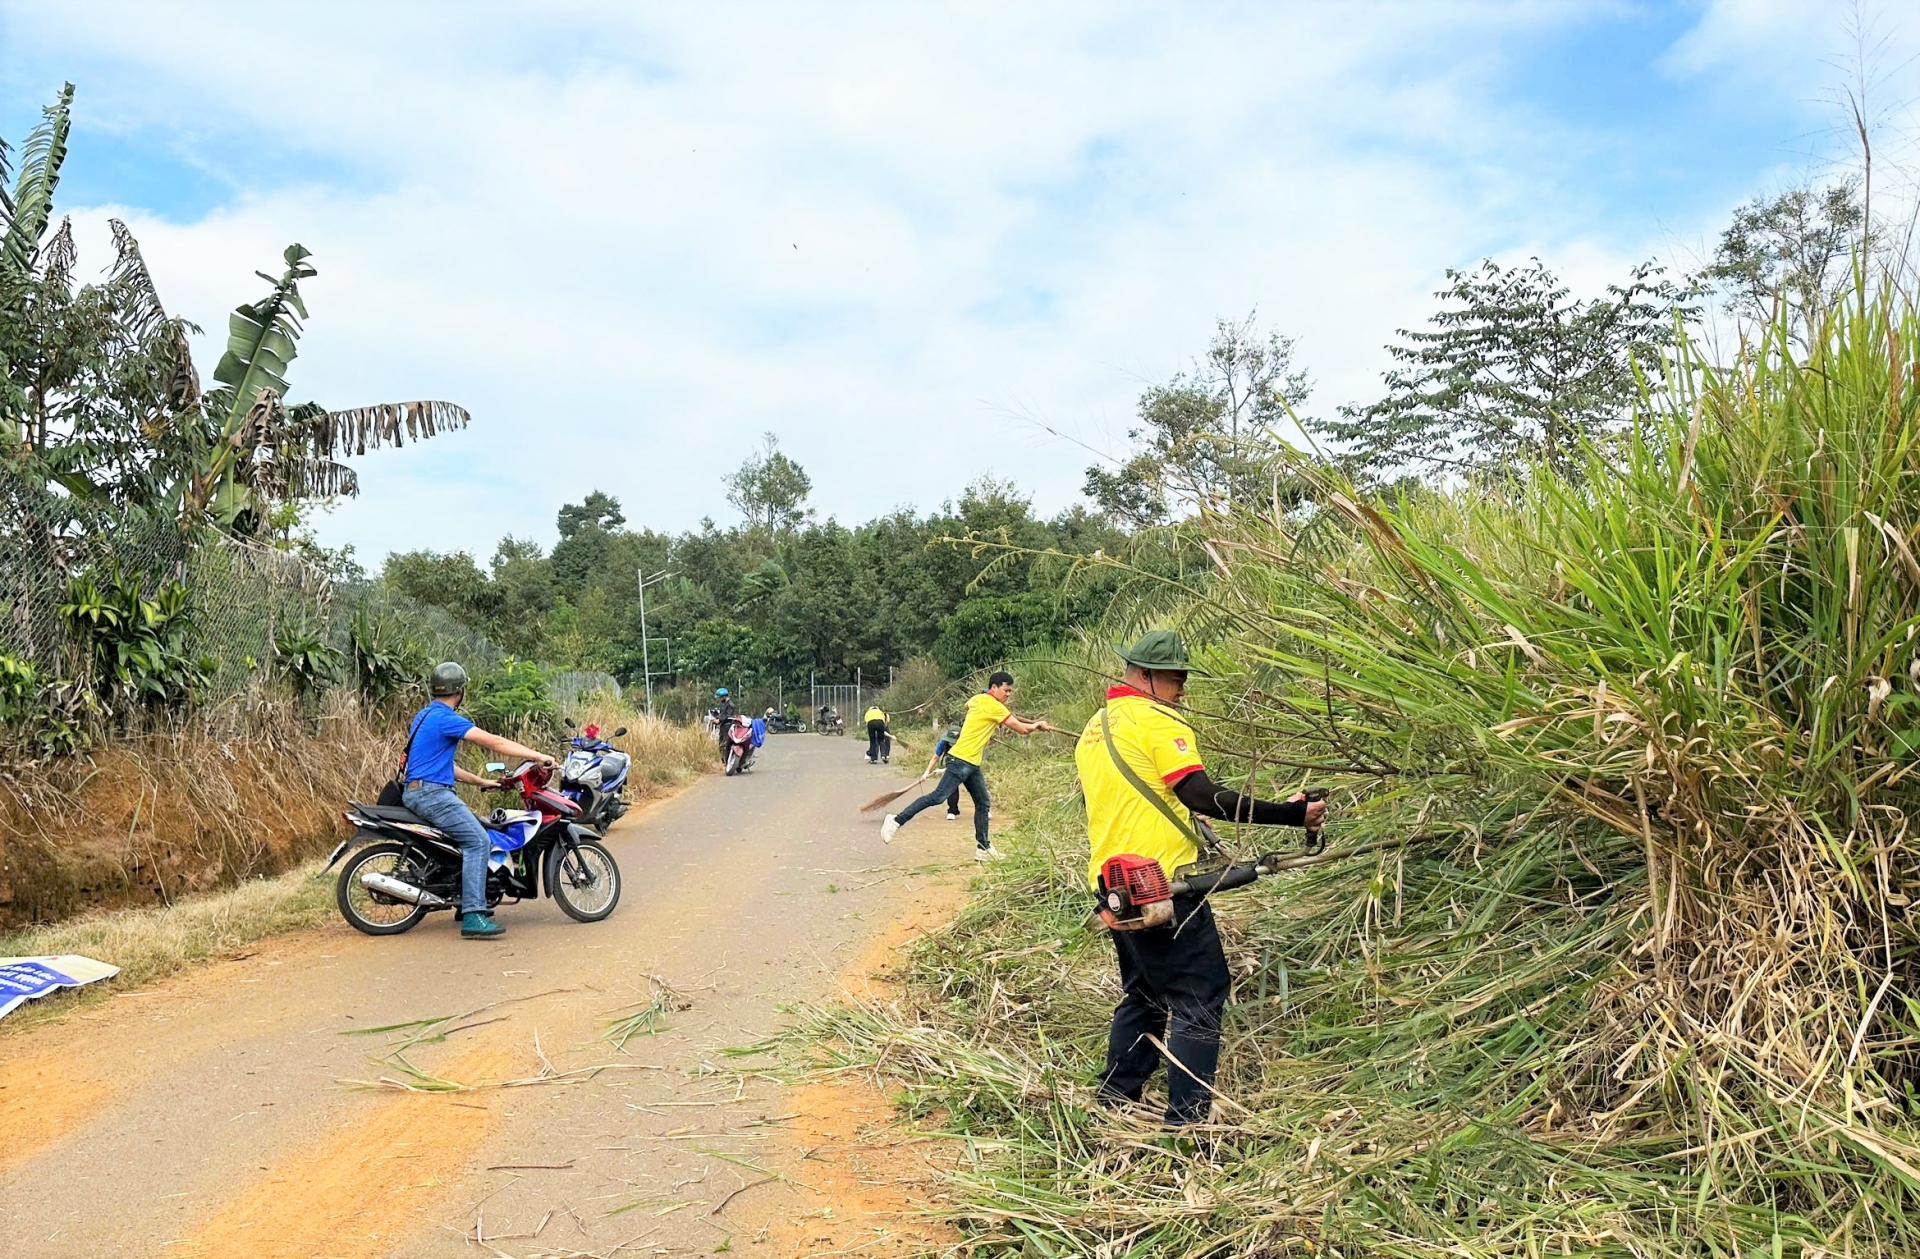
<point>1789,249</point>
<point>769,488</point>
<point>1205,435</point>
<point>1513,370</point>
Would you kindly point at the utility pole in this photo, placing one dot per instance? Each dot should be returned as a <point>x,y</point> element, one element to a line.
<point>646,662</point>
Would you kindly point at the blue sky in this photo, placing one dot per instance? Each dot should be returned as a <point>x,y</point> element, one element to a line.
<point>630,239</point>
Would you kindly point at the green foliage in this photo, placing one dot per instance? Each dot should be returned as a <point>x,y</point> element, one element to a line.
<point>512,698</point>
<point>990,631</point>
<point>383,656</point>
<point>19,691</point>
<point>770,489</point>
<point>1792,250</point>
<point>44,720</point>
<point>138,646</point>
<point>98,392</point>
<point>753,605</point>
<point>1513,373</point>
<point>1206,435</point>
<point>304,660</point>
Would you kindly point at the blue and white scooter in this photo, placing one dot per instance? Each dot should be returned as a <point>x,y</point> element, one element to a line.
<point>594,776</point>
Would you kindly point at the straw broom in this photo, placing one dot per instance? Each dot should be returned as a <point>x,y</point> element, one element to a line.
<point>888,797</point>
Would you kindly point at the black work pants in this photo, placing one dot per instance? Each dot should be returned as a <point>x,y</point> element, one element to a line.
<point>879,742</point>
<point>1176,985</point>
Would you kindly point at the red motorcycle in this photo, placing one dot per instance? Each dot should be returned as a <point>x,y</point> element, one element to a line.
<point>405,868</point>
<point>740,746</point>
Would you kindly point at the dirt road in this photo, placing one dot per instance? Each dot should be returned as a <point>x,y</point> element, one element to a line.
<point>215,1115</point>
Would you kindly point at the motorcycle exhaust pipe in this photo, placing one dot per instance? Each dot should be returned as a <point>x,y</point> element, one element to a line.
<point>387,885</point>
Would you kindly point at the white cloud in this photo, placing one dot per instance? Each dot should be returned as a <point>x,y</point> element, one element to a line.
<point>630,240</point>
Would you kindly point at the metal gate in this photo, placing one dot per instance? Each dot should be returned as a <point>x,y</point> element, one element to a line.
<point>848,701</point>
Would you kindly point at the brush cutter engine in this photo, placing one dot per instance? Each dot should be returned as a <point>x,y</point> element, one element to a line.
<point>1134,893</point>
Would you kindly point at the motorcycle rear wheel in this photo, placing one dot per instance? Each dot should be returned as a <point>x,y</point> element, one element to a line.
<point>586,888</point>
<point>367,910</point>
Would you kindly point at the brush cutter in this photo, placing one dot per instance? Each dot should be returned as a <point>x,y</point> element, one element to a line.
<point>1135,892</point>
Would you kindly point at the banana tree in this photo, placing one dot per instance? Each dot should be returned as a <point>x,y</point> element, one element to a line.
<point>98,393</point>
<point>263,451</point>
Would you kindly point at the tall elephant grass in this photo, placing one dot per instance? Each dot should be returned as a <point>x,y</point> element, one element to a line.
<point>1641,981</point>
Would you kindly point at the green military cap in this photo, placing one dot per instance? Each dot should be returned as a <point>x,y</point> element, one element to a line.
<point>1159,649</point>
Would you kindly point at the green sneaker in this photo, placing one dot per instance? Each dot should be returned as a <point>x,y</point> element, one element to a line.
<point>480,927</point>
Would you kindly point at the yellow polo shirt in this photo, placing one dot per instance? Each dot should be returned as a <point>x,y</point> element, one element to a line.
<point>874,714</point>
<point>1160,749</point>
<point>984,715</point>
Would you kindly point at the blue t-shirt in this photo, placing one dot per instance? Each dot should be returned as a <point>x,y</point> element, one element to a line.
<point>437,731</point>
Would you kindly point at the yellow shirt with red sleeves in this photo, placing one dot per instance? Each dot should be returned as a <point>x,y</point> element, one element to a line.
<point>984,715</point>
<point>1160,749</point>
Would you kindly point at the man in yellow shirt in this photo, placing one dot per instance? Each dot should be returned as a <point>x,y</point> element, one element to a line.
<point>986,713</point>
<point>1174,975</point>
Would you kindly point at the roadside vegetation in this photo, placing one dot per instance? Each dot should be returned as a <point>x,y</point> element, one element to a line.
<point>1638,980</point>
<point>189,686</point>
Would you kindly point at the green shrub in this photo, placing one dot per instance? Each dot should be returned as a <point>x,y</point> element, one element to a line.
<point>513,698</point>
<point>303,658</point>
<point>139,647</point>
<point>46,719</point>
<point>384,656</point>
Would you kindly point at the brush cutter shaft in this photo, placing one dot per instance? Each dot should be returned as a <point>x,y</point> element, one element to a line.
<point>1222,880</point>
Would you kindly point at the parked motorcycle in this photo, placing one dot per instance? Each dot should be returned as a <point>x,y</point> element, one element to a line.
<point>831,722</point>
<point>781,723</point>
<point>404,868</point>
<point>594,776</point>
<point>740,746</point>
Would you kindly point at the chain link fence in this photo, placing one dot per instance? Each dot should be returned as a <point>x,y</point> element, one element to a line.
<point>239,593</point>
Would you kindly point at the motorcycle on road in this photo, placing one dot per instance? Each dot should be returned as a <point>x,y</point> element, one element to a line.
<point>594,776</point>
<point>742,742</point>
<point>402,868</point>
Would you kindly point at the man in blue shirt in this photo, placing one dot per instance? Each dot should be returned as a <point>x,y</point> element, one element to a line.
<point>436,733</point>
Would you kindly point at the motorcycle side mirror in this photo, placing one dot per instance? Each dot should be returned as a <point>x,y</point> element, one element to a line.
<point>622,730</point>
<point>496,767</point>
<point>569,722</point>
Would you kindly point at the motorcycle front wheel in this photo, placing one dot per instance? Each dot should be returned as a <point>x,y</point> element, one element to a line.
<point>587,884</point>
<point>366,910</point>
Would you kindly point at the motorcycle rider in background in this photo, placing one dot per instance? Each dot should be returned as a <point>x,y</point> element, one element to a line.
<point>726,712</point>
<point>436,734</point>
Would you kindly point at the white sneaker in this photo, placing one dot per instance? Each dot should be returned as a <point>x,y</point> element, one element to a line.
<point>889,827</point>
<point>988,854</point>
<point>953,817</point>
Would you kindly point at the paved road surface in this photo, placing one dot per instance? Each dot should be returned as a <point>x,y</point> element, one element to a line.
<point>210,1116</point>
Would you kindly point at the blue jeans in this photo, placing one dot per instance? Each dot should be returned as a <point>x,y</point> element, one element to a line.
<point>439,806</point>
<point>958,774</point>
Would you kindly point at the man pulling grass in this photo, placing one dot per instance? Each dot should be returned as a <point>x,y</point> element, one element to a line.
<point>986,713</point>
<point>1174,975</point>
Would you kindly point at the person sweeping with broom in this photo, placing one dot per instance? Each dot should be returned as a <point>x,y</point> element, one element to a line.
<point>986,712</point>
<point>1140,769</point>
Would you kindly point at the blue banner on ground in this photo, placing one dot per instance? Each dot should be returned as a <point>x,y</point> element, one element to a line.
<point>24,978</point>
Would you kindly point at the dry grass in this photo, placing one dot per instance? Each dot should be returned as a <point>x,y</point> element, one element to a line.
<point>230,795</point>
<point>666,755</point>
<point>151,944</point>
